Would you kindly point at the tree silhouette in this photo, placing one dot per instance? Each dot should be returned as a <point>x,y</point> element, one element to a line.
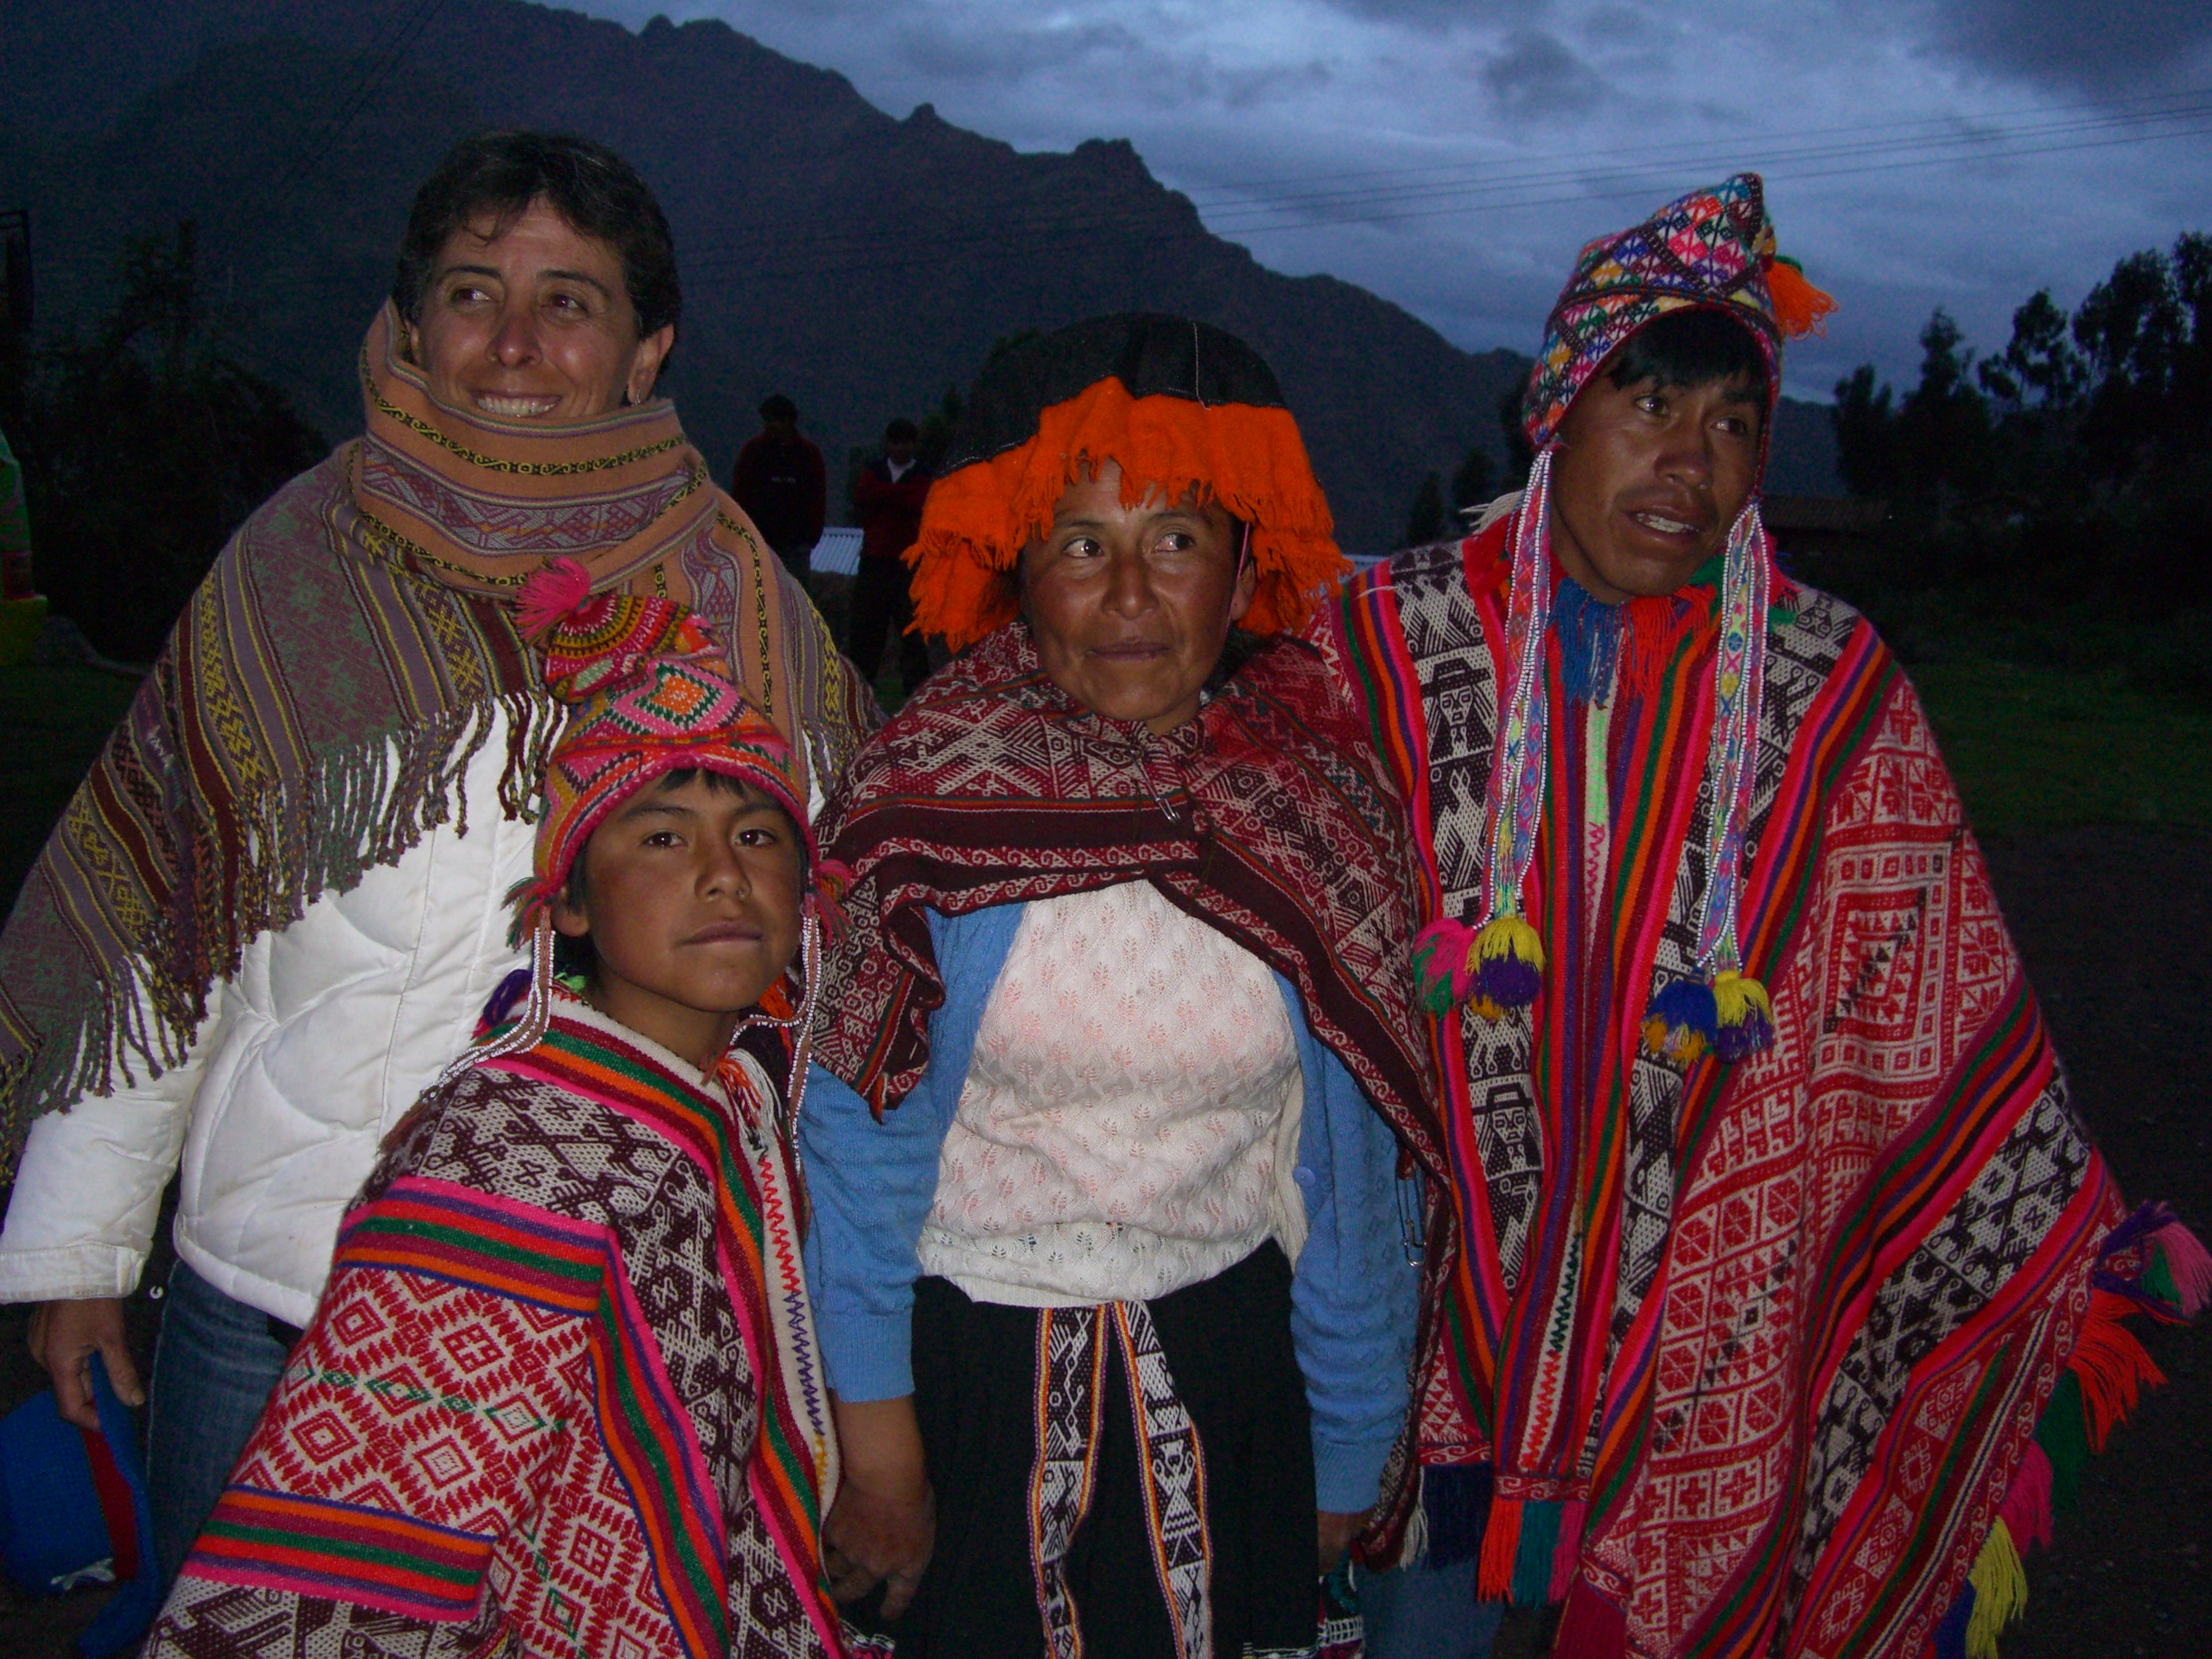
<point>1425,519</point>
<point>2070,472</point>
<point>144,447</point>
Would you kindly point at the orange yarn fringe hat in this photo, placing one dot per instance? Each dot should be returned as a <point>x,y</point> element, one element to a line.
<point>1175,403</point>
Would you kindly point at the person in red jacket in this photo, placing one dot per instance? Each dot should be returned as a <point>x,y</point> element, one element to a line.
<point>780,482</point>
<point>889,493</point>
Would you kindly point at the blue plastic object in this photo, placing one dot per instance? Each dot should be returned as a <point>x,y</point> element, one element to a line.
<point>54,1534</point>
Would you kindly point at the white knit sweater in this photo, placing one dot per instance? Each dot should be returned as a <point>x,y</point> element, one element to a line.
<point>1129,1124</point>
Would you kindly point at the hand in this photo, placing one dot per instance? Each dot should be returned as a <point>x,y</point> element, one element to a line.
<point>1337,1532</point>
<point>64,1336</point>
<point>883,1526</point>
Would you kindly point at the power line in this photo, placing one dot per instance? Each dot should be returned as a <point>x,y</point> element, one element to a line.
<point>1510,188</point>
<point>827,255</point>
<point>1942,141</point>
<point>1953,119</point>
<point>377,77</point>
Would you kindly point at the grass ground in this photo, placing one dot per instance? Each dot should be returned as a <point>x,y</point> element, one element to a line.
<point>2042,748</point>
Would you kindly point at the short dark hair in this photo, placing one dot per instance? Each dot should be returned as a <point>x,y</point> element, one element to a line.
<point>1690,348</point>
<point>777,407</point>
<point>501,173</point>
<point>902,431</point>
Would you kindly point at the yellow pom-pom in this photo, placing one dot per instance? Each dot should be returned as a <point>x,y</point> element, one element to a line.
<point>2000,1592</point>
<point>1744,1013</point>
<point>1736,998</point>
<point>1509,962</point>
<point>1509,936</point>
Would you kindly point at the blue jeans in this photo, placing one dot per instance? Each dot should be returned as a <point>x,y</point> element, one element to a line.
<point>1423,1612</point>
<point>214,1366</point>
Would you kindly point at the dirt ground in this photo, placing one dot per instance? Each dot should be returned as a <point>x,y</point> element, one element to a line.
<point>2117,928</point>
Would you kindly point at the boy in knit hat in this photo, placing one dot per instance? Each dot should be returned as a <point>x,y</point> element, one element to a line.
<point>1790,1275</point>
<point>563,1390</point>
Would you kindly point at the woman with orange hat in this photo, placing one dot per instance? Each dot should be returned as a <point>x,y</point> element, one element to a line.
<point>1118,1278</point>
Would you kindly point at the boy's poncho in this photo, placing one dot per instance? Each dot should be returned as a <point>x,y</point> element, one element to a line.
<point>563,1390</point>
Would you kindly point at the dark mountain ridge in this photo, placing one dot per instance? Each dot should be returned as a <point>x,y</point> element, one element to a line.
<point>861,262</point>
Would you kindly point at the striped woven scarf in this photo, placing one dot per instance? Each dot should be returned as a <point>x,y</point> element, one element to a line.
<point>320,699</point>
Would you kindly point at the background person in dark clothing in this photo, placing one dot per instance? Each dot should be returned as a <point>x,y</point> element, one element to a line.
<point>778,482</point>
<point>889,493</point>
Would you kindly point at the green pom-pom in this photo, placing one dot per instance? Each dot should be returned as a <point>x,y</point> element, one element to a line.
<point>2157,1280</point>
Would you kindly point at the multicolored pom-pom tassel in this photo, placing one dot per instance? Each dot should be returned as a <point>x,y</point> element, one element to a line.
<point>1509,962</point>
<point>1444,965</point>
<point>1732,1016</point>
<point>1682,1022</point>
<point>2187,1267</point>
<point>1493,968</point>
<point>554,591</point>
<point>1746,1015</point>
<point>2000,1592</point>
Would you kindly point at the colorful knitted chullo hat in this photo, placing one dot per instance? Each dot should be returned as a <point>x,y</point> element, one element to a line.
<point>648,695</point>
<point>1711,250</point>
<point>1175,404</point>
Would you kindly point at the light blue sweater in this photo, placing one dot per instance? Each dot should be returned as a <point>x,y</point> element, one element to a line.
<point>1354,1297</point>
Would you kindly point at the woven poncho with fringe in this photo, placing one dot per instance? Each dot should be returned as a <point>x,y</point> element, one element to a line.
<point>1265,818</point>
<point>563,1394</point>
<point>1776,1349</point>
<point>1837,1306</point>
<point>316,705</point>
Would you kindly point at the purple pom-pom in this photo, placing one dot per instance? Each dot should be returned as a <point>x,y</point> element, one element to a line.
<point>508,992</point>
<point>1752,1034</point>
<point>1509,982</point>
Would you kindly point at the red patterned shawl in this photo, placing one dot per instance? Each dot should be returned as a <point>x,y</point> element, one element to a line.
<point>1879,1238</point>
<point>1266,817</point>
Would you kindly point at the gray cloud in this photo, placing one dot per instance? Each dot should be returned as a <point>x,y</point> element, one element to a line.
<point>1437,16</point>
<point>1007,55</point>
<point>2097,44</point>
<point>1536,75</point>
<point>1327,135</point>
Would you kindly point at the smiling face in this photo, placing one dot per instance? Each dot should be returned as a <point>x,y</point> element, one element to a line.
<point>690,896</point>
<point>1131,605</point>
<point>1650,479</point>
<point>532,322</point>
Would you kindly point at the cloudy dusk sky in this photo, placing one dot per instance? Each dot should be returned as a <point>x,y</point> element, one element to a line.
<point>1452,154</point>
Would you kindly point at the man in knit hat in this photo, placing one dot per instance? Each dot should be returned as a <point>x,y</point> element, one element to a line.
<point>1785,1255</point>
